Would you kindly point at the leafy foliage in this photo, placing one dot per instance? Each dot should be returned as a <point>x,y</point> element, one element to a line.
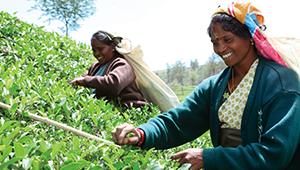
<point>70,12</point>
<point>35,67</point>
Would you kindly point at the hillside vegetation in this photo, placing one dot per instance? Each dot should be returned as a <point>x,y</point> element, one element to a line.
<point>183,79</point>
<point>35,67</point>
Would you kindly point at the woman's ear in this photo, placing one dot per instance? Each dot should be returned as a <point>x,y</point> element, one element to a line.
<point>113,46</point>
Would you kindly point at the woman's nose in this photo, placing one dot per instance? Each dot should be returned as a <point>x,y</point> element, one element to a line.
<point>96,53</point>
<point>221,48</point>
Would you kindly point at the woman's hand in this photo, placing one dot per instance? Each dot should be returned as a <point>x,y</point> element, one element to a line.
<point>119,135</point>
<point>191,156</point>
<point>77,81</point>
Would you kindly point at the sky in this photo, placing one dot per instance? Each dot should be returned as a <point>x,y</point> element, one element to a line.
<point>167,30</point>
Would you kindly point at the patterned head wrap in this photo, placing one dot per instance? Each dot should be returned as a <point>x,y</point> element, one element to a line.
<point>249,15</point>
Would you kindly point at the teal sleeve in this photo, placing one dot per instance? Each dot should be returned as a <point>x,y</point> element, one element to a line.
<point>184,123</point>
<point>278,143</point>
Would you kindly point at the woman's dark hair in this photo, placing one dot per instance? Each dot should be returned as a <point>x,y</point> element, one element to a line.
<point>103,37</point>
<point>229,23</point>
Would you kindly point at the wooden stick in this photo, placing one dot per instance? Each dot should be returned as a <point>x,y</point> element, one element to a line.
<point>60,125</point>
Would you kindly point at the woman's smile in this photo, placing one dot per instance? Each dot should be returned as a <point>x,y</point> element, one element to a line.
<point>99,57</point>
<point>227,55</point>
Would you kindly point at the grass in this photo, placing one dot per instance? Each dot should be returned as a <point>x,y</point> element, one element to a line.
<point>183,91</point>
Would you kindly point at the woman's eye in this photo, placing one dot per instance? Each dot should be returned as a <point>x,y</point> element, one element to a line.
<point>215,44</point>
<point>227,40</point>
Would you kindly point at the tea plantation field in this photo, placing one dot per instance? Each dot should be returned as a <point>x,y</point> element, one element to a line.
<point>35,68</point>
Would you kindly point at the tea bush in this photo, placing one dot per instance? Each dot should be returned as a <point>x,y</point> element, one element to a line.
<point>35,67</point>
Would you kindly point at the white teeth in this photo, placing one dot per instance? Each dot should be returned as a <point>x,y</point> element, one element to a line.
<point>227,55</point>
<point>99,57</point>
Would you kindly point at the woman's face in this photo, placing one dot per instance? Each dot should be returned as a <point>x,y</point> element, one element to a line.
<point>230,47</point>
<point>102,52</point>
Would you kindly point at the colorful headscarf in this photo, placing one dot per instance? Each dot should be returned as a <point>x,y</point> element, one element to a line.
<point>249,15</point>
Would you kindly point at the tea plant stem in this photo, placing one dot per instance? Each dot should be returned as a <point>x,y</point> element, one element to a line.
<point>60,125</point>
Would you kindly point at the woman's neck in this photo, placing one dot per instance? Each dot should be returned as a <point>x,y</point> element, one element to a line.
<point>241,70</point>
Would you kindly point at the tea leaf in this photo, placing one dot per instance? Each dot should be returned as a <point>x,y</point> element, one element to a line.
<point>135,165</point>
<point>10,124</point>
<point>157,167</point>
<point>9,83</point>
<point>46,154</point>
<point>34,99</point>
<point>185,166</point>
<point>2,147</point>
<point>147,157</point>
<point>19,149</point>
<point>71,166</point>
<point>30,147</point>
<point>23,101</point>
<point>76,143</point>
<point>26,163</point>
<point>7,140</point>
<point>63,101</point>
<point>43,146</point>
<point>56,148</point>
<point>35,165</point>
<point>118,165</point>
<point>96,168</point>
<point>11,161</point>
<point>128,159</point>
<point>111,167</point>
<point>7,150</point>
<point>25,139</point>
<point>107,160</point>
<point>14,108</point>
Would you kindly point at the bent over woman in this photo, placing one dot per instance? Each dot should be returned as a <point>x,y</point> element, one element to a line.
<point>111,76</point>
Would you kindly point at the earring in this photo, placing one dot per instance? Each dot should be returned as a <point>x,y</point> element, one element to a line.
<point>252,43</point>
<point>113,49</point>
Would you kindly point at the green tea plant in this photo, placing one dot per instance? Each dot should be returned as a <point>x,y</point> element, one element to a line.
<point>35,67</point>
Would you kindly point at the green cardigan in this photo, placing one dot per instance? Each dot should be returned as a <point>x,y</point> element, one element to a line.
<point>270,126</point>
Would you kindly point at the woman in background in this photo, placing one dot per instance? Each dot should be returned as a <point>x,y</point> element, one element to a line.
<point>111,76</point>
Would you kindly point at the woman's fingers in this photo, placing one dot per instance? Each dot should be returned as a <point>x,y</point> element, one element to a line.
<point>119,135</point>
<point>73,82</point>
<point>77,81</point>
<point>113,133</point>
<point>121,132</point>
<point>192,156</point>
<point>181,157</point>
<point>134,139</point>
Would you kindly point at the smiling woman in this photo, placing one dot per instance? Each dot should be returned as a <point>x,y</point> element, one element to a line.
<point>251,107</point>
<point>111,76</point>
